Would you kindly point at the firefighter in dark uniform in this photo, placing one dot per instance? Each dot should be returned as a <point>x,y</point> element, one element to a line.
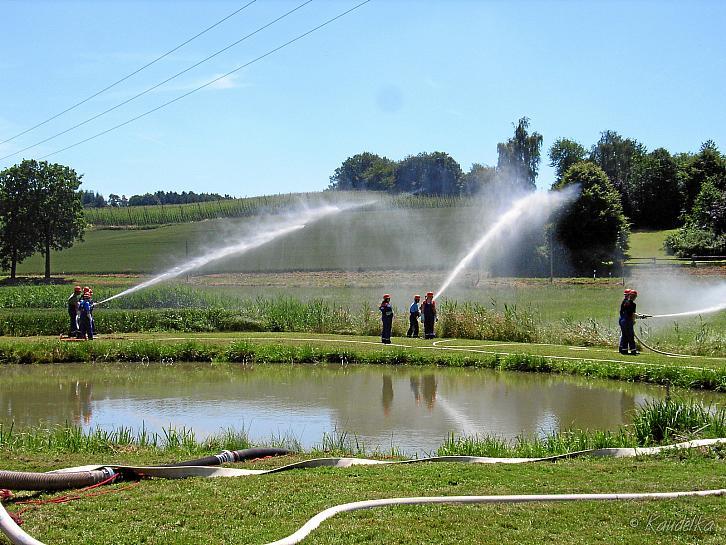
<point>627,323</point>
<point>428,309</point>
<point>73,301</point>
<point>414,313</point>
<point>386,319</point>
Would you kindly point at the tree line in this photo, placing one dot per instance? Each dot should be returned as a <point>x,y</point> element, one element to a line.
<point>91,199</point>
<point>635,188</point>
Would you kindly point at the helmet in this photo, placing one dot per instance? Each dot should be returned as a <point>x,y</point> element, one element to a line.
<point>634,292</point>
<point>627,292</point>
<point>386,296</point>
<point>416,297</point>
<point>429,294</point>
<point>77,289</point>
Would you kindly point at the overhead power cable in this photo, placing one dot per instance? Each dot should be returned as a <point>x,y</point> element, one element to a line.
<point>157,59</point>
<point>270,52</point>
<point>156,86</point>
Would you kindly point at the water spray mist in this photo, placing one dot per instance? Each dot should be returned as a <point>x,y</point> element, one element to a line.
<point>283,226</point>
<point>532,209</point>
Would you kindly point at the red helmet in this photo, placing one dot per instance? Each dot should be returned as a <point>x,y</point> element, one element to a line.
<point>386,296</point>
<point>77,289</point>
<point>416,297</point>
<point>429,294</point>
<point>634,292</point>
<point>627,292</point>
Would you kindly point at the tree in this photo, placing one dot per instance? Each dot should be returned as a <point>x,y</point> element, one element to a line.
<point>593,228</point>
<point>434,173</point>
<point>364,171</point>
<point>114,200</point>
<point>707,164</point>
<point>563,154</point>
<point>617,156</point>
<point>18,193</point>
<point>519,156</point>
<point>478,178</point>
<point>59,216</point>
<point>655,199</point>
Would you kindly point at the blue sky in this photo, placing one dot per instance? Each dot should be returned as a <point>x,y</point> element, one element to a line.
<point>393,77</point>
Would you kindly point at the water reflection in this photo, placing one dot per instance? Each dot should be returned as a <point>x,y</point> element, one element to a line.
<point>411,408</point>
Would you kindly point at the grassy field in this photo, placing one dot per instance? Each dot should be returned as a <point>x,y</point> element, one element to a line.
<point>645,244</point>
<point>256,510</point>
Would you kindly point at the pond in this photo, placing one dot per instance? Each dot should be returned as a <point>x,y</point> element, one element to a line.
<point>411,408</point>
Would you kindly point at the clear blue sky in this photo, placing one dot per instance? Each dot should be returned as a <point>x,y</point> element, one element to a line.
<point>393,77</point>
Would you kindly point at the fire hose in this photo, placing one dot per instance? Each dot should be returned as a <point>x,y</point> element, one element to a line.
<point>18,536</point>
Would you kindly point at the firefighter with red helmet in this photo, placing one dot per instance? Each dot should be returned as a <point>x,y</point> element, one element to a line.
<point>627,323</point>
<point>85,316</point>
<point>428,309</point>
<point>414,313</point>
<point>386,319</point>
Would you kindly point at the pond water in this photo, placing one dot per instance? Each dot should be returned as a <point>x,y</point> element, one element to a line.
<point>413,409</point>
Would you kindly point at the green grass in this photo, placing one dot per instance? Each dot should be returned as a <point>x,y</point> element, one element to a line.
<point>257,510</point>
<point>697,373</point>
<point>645,244</point>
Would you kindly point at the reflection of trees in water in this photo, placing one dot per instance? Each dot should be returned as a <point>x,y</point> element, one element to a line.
<point>387,395</point>
<point>424,386</point>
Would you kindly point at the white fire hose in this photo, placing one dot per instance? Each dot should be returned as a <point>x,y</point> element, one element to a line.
<point>18,536</point>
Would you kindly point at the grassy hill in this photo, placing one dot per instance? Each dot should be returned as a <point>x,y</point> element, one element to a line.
<point>377,237</point>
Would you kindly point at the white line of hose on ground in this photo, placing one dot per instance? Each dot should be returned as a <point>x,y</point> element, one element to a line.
<point>314,522</point>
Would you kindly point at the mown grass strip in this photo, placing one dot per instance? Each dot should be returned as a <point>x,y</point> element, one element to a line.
<point>247,352</point>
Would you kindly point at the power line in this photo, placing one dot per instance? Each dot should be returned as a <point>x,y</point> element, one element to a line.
<point>129,75</point>
<point>270,52</point>
<point>156,86</point>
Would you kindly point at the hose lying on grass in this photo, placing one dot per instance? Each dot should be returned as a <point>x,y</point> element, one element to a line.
<point>19,537</point>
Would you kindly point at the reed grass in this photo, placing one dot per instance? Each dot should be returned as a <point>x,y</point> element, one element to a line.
<point>683,418</point>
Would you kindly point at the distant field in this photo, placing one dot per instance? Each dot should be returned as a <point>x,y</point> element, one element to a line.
<point>145,216</point>
<point>649,243</point>
<point>366,239</point>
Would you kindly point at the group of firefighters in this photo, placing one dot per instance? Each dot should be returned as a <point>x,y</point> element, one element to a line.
<point>425,311</point>
<point>80,313</point>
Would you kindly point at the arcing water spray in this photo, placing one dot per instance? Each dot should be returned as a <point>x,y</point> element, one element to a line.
<point>532,209</point>
<point>284,226</point>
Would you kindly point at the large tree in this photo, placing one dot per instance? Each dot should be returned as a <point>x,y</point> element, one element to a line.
<point>364,171</point>
<point>519,156</point>
<point>593,228</point>
<point>478,178</point>
<point>563,154</point>
<point>704,232</point>
<point>655,199</point>
<point>617,156</point>
<point>41,211</point>
<point>18,194</point>
<point>434,173</point>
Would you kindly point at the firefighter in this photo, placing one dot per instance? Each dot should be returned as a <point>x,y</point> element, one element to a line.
<point>386,319</point>
<point>627,323</point>
<point>428,309</point>
<point>414,313</point>
<point>85,318</point>
<point>73,311</point>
